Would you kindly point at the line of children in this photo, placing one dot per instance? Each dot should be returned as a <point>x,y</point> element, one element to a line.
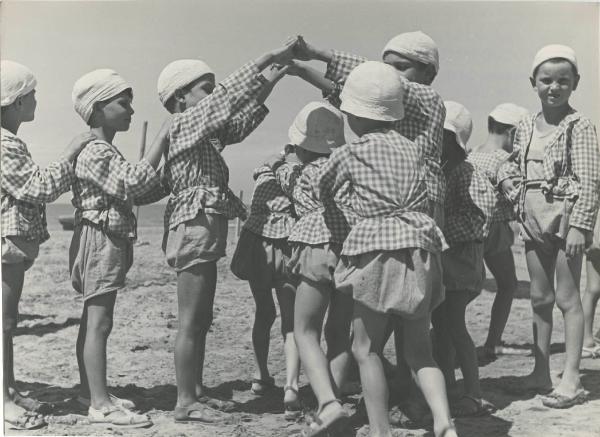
<point>260,257</point>
<point>207,119</point>
<point>558,159</point>
<point>469,203</point>
<point>497,253</point>
<point>25,189</point>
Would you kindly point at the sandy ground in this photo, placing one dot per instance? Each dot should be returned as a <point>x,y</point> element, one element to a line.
<point>141,356</point>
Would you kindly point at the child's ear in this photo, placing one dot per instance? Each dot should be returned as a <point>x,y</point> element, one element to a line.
<point>430,74</point>
<point>179,96</point>
<point>577,77</point>
<point>532,81</point>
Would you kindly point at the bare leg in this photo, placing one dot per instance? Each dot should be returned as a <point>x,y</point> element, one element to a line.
<point>264,317</point>
<point>444,353</point>
<point>541,268</point>
<point>369,333</point>
<point>590,299</point>
<point>285,297</point>
<point>84,388</point>
<point>99,325</point>
<point>337,337</point>
<point>568,273</point>
<point>502,266</point>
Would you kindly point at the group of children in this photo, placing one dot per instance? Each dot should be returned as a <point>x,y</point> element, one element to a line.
<point>385,233</point>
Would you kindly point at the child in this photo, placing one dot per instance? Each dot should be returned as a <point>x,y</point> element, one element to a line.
<point>469,203</point>
<point>497,253</point>
<point>260,257</point>
<point>316,241</point>
<point>25,190</point>
<point>101,251</point>
<point>208,118</point>
<point>559,161</point>
<point>393,243</point>
<point>591,343</point>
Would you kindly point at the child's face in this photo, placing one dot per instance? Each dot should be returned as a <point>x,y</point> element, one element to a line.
<point>554,82</point>
<point>413,71</point>
<point>116,113</point>
<point>28,105</point>
<point>198,90</point>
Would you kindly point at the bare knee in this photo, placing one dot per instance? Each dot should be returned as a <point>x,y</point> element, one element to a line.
<point>100,325</point>
<point>265,315</point>
<point>361,351</point>
<point>541,300</point>
<point>9,324</point>
<point>568,300</point>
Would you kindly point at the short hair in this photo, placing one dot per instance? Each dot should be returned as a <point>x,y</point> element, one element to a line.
<point>495,127</point>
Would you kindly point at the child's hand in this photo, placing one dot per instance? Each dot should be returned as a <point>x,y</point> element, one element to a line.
<point>508,187</point>
<point>294,68</point>
<point>577,241</point>
<point>275,72</point>
<point>303,50</point>
<point>284,54</point>
<point>77,144</point>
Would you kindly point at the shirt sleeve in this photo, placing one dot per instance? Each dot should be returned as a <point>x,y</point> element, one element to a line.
<point>332,176</point>
<point>585,157</point>
<point>287,176</point>
<point>104,168</point>
<point>338,69</point>
<point>243,123</point>
<point>27,182</point>
<point>154,194</point>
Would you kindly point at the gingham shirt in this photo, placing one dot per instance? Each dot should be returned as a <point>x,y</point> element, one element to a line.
<point>26,187</point>
<point>584,171</point>
<point>271,212</point>
<point>319,222</point>
<point>108,186</point>
<point>423,120</point>
<point>195,172</point>
<point>489,163</point>
<point>384,172</point>
<point>470,201</point>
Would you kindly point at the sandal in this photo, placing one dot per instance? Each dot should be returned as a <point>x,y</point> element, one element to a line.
<point>119,417</point>
<point>479,407</point>
<point>292,409</point>
<point>195,412</point>
<point>335,424</point>
<point>559,400</point>
<point>590,352</point>
<point>26,421</point>
<point>261,386</point>
<point>217,404</point>
<point>123,403</point>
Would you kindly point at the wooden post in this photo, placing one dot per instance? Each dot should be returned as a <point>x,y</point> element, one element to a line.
<point>237,220</point>
<point>142,152</point>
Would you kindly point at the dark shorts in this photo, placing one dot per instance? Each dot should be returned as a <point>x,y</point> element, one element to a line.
<point>463,267</point>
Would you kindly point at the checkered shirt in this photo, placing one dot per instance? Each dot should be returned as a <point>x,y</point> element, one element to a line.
<point>388,194</point>
<point>26,188</point>
<point>470,201</point>
<point>488,164</point>
<point>319,222</point>
<point>423,120</point>
<point>195,173</point>
<point>108,186</point>
<point>581,166</point>
<point>271,212</point>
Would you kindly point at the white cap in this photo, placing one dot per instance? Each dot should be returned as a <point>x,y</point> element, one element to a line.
<point>178,74</point>
<point>553,51</point>
<point>318,127</point>
<point>459,121</point>
<point>374,90</point>
<point>508,113</point>
<point>96,86</point>
<point>17,80</point>
<point>417,46</point>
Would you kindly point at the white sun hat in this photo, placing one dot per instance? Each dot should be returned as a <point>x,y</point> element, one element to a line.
<point>417,46</point>
<point>508,113</point>
<point>553,51</point>
<point>318,127</point>
<point>178,74</point>
<point>17,80</point>
<point>96,86</point>
<point>458,120</point>
<point>374,90</point>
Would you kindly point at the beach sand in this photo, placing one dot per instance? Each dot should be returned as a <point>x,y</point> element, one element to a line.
<point>140,355</point>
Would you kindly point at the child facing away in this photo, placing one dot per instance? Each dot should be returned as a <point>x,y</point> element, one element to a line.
<point>497,253</point>
<point>101,251</point>
<point>469,203</point>
<point>390,262</point>
<point>207,118</point>
<point>316,241</point>
<point>260,258</point>
<point>25,189</point>
<point>559,162</point>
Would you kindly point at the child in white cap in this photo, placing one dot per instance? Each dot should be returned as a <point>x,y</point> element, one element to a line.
<point>260,258</point>
<point>25,190</point>
<point>390,262</point>
<point>207,118</point>
<point>101,251</point>
<point>497,253</point>
<point>316,240</point>
<point>470,201</point>
<point>559,161</point>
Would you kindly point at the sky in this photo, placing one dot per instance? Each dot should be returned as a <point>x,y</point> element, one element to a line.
<point>486,50</point>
